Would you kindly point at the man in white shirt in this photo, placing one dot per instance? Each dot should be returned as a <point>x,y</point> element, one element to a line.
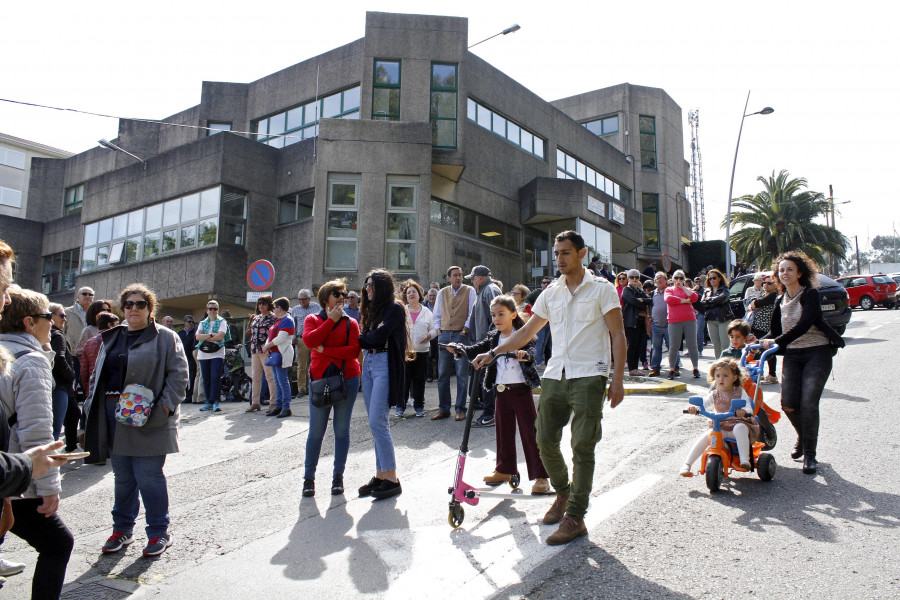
<point>584,315</point>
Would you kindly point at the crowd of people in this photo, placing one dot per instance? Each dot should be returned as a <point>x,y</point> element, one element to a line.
<point>385,341</point>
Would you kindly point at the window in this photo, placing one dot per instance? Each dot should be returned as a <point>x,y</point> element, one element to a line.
<point>302,122</point>
<point>648,142</point>
<point>604,126</point>
<point>10,197</point>
<point>443,105</point>
<point>651,220</point>
<point>217,127</point>
<point>401,232</point>
<point>12,158</point>
<point>74,199</point>
<point>570,167</point>
<point>59,271</point>
<point>598,241</point>
<point>295,207</point>
<point>475,225</point>
<point>386,90</point>
<point>341,234</point>
<point>505,128</point>
<point>212,216</point>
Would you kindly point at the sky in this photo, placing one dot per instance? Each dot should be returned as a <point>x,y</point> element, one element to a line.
<point>829,69</point>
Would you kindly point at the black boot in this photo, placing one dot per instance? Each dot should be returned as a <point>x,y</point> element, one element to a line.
<point>309,488</point>
<point>798,450</point>
<point>809,464</point>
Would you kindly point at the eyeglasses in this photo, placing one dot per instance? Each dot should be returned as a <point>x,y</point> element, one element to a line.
<point>677,277</point>
<point>514,293</point>
<point>61,315</point>
<point>86,294</point>
<point>634,277</point>
<point>338,294</point>
<point>711,278</point>
<point>137,304</point>
<point>214,308</point>
<point>48,316</point>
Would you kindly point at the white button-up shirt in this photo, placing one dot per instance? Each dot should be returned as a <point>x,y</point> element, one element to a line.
<point>581,344</point>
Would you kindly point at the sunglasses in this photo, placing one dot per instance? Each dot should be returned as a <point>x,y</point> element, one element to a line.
<point>138,304</point>
<point>48,316</point>
<point>86,294</point>
<point>634,277</point>
<point>514,293</point>
<point>676,277</point>
<point>369,285</point>
<point>338,294</point>
<point>61,316</point>
<point>215,308</point>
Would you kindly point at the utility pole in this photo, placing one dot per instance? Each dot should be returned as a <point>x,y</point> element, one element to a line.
<point>831,264</point>
<point>858,270</point>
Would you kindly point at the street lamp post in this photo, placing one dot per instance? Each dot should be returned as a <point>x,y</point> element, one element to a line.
<point>766,111</point>
<point>107,144</point>
<point>508,30</point>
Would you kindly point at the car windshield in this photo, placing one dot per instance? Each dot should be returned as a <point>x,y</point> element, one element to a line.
<point>882,280</point>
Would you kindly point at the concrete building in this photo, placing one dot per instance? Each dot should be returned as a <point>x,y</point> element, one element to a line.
<point>16,226</point>
<point>401,149</point>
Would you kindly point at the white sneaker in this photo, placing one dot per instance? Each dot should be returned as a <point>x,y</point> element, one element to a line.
<point>745,464</point>
<point>8,567</point>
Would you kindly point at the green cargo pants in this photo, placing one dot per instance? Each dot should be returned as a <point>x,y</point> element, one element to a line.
<point>582,400</point>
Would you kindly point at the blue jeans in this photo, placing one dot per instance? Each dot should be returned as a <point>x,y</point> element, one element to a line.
<point>542,336</point>
<point>657,335</point>
<point>446,368</point>
<point>318,423</point>
<point>211,369</point>
<point>144,475</point>
<point>701,333</point>
<point>376,385</point>
<point>60,406</point>
<point>282,388</point>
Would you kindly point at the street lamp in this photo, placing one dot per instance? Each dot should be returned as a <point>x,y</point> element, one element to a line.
<point>107,144</point>
<point>507,31</point>
<point>766,111</point>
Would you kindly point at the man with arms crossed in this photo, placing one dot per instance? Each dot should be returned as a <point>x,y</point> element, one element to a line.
<point>584,314</point>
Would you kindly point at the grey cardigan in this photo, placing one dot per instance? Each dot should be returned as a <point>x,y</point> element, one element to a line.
<point>157,361</point>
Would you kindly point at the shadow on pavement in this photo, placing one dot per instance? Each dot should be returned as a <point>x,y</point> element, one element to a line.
<point>251,427</point>
<point>315,538</point>
<point>803,499</point>
<point>584,570</point>
<point>78,477</point>
<point>850,341</point>
<point>828,394</point>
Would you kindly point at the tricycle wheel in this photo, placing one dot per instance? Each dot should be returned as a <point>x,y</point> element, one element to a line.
<point>765,467</point>
<point>715,472</point>
<point>456,516</point>
<point>514,480</point>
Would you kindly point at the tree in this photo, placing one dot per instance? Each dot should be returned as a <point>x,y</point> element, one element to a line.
<point>781,218</point>
<point>886,248</point>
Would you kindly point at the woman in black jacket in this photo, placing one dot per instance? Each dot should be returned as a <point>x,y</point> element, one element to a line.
<point>808,344</point>
<point>384,340</point>
<point>717,310</point>
<point>64,401</point>
<point>634,301</point>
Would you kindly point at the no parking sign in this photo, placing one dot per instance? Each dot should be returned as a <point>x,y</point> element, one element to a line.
<point>260,275</point>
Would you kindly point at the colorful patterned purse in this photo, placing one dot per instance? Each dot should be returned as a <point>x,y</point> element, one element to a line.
<point>134,405</point>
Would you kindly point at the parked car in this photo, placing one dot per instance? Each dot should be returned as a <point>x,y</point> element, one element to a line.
<point>866,291</point>
<point>834,298</point>
<point>896,278</point>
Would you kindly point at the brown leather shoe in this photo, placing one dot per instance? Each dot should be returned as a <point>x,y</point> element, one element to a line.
<point>653,373</point>
<point>496,478</point>
<point>460,416</point>
<point>440,415</point>
<point>556,512</point>
<point>569,529</point>
<point>541,486</point>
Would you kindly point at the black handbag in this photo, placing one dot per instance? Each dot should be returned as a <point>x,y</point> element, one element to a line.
<point>208,347</point>
<point>331,390</point>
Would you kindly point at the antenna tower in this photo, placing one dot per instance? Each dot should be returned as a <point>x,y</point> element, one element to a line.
<point>699,228</point>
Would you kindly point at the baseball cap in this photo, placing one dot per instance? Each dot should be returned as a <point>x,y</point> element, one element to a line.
<point>480,271</point>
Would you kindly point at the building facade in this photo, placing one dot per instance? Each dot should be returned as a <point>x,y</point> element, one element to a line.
<point>400,150</point>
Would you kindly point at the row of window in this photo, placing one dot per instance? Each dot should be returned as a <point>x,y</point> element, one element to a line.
<point>570,167</point>
<point>12,158</point>
<point>295,207</point>
<point>604,126</point>
<point>473,224</point>
<point>505,128</point>
<point>386,90</point>
<point>302,122</point>
<point>10,197</point>
<point>59,271</point>
<point>205,218</point>
<point>648,141</point>
<point>444,87</point>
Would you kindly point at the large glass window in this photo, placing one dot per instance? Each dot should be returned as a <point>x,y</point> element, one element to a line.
<point>212,216</point>
<point>648,141</point>
<point>401,231</point>
<point>571,167</point>
<point>474,225</point>
<point>295,207</point>
<point>604,126</point>
<point>74,199</point>
<point>302,122</point>
<point>444,87</point>
<point>505,128</point>
<point>59,271</point>
<point>651,220</point>
<point>341,234</point>
<point>12,158</point>
<point>598,241</point>
<point>386,90</point>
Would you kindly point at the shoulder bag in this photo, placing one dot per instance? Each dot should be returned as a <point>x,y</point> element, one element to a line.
<point>206,345</point>
<point>330,390</point>
<point>134,405</point>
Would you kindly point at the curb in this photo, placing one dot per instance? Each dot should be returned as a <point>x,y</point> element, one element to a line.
<point>652,385</point>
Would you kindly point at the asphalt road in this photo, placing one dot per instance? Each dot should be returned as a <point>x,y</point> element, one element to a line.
<point>241,528</point>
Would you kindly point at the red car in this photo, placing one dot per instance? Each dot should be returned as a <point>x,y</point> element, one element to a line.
<point>866,291</point>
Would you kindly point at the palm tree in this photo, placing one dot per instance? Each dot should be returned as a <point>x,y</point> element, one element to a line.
<point>780,218</point>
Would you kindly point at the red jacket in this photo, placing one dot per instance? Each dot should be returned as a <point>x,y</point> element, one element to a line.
<point>319,330</point>
<point>88,357</point>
